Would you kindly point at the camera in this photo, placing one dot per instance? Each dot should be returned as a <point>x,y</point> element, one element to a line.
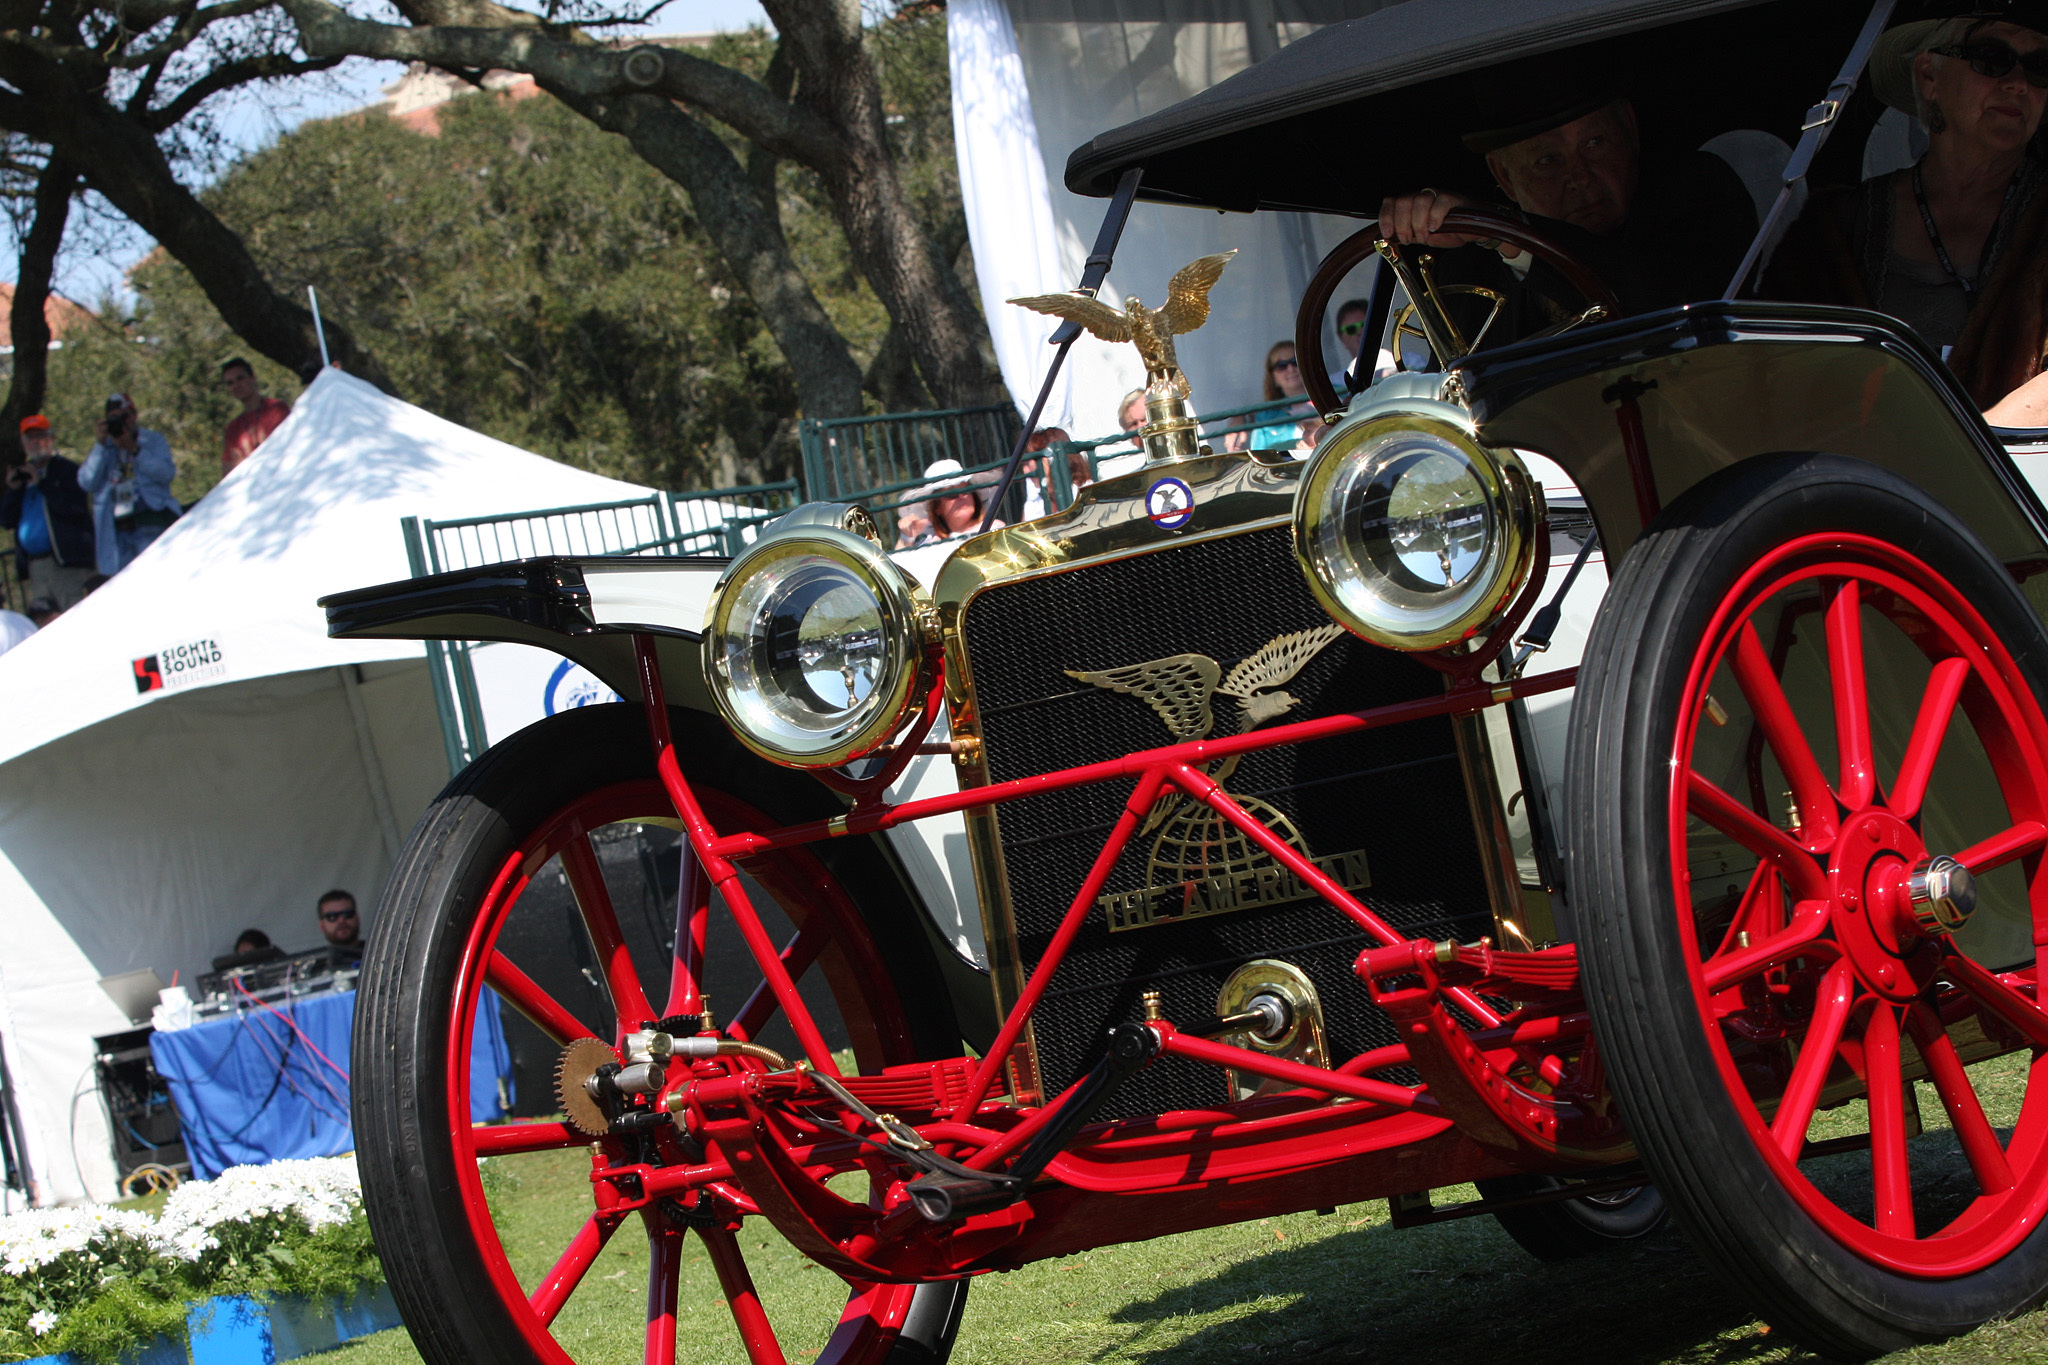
<point>117,425</point>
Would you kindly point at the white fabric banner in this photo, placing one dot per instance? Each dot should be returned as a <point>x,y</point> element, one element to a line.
<point>1017,244</point>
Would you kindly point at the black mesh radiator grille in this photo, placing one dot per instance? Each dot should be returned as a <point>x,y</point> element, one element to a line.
<point>1395,795</point>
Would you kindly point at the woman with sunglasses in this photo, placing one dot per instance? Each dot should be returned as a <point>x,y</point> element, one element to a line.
<point>1282,379</point>
<point>1952,246</point>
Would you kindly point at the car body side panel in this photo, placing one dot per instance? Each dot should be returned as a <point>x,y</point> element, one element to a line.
<point>1737,380</point>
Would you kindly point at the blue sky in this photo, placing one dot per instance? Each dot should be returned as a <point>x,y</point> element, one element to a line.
<point>89,275</point>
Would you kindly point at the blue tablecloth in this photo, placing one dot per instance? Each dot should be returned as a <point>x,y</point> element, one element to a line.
<point>250,1087</point>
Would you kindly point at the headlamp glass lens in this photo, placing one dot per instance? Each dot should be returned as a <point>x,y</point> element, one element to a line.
<point>804,648</point>
<point>1411,534</point>
<point>813,648</point>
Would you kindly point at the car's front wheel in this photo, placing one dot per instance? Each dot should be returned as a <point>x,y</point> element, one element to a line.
<point>1807,801</point>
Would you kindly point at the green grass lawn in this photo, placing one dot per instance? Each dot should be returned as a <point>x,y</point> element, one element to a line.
<point>1301,1288</point>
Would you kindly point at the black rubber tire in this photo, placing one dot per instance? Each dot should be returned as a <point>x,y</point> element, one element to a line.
<point>1722,1192</point>
<point>1572,1228</point>
<point>410,1194</point>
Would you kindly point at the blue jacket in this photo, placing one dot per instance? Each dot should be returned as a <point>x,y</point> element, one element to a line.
<point>153,471</point>
<point>71,538</point>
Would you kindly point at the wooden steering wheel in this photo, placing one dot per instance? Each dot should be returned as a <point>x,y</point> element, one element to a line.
<point>1308,321</point>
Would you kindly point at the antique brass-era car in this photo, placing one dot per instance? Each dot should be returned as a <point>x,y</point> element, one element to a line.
<point>1288,899</point>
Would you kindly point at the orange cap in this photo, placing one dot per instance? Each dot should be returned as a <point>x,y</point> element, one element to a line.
<point>36,422</point>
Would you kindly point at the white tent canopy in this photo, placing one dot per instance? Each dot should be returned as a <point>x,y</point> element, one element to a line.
<point>144,829</point>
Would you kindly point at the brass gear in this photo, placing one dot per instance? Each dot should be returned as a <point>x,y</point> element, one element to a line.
<point>579,1062</point>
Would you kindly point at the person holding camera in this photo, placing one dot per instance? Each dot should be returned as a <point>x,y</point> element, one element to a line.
<point>129,475</point>
<point>50,517</point>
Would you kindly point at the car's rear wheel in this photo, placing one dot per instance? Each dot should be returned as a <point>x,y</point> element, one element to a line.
<point>1808,686</point>
<point>536,813</point>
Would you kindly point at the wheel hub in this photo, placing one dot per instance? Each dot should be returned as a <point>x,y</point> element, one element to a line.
<point>1883,923</point>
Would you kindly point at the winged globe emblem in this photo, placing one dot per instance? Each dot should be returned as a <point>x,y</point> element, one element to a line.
<point>1169,431</point>
<point>1200,864</point>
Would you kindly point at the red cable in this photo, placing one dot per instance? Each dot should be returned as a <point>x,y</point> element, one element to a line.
<point>291,1024</point>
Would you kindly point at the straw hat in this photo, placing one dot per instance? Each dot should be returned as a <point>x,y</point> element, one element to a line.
<point>1891,60</point>
<point>945,477</point>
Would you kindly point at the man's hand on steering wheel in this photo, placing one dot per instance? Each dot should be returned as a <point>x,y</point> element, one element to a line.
<point>1415,219</point>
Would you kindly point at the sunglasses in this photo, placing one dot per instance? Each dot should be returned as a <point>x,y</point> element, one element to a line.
<point>1288,364</point>
<point>1350,329</point>
<point>330,916</point>
<point>1995,59</point>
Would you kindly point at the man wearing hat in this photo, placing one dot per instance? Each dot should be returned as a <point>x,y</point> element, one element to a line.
<point>129,475</point>
<point>50,517</point>
<point>1951,246</point>
<point>1562,144</point>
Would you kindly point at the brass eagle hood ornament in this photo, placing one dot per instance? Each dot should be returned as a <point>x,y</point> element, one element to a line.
<point>1169,431</point>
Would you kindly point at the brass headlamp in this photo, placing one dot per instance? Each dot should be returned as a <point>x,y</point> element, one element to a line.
<point>814,641</point>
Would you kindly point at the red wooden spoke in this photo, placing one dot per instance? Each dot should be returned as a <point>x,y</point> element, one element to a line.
<point>594,899</point>
<point>1959,1098</point>
<point>693,922</point>
<point>546,1013</point>
<point>1809,921</point>
<point>1780,727</point>
<point>756,1333</point>
<point>664,1267</point>
<point>2023,838</point>
<point>797,956</point>
<point>560,1282</point>
<point>1891,1173</point>
<point>1930,727</point>
<point>508,1139</point>
<point>1856,769</point>
<point>2005,1001</point>
<point>1756,834</point>
<point>1816,1056</point>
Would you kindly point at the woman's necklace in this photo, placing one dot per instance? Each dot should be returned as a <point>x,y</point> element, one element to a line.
<point>1934,233</point>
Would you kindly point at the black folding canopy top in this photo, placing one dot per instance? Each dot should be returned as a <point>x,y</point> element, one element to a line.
<point>1376,105</point>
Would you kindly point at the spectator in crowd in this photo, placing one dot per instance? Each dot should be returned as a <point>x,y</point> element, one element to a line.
<point>341,925</point>
<point>253,424</point>
<point>1282,380</point>
<point>954,501</point>
<point>43,610</point>
<point>50,517</point>
<point>129,475</point>
<point>14,628</point>
<point>1351,316</point>
<point>1111,461</point>
<point>913,526</point>
<point>1038,491</point>
<point>251,941</point>
<point>1130,414</point>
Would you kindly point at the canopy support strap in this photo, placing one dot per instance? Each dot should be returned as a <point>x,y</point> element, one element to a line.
<point>1106,238</point>
<point>1813,135</point>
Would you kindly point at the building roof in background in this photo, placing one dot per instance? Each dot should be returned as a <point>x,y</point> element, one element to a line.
<point>61,313</point>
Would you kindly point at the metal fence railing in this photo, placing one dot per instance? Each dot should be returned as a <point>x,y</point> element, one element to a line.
<point>720,521</point>
<point>848,456</point>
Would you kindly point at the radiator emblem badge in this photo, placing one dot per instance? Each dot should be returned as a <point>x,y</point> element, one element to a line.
<point>1200,863</point>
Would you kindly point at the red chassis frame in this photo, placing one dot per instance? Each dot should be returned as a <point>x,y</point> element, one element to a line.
<point>758,1146</point>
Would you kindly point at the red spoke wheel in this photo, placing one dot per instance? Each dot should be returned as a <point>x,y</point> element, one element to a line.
<point>523,833</point>
<point>1807,799</point>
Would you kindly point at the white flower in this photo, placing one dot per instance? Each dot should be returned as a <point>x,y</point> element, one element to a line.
<point>42,1322</point>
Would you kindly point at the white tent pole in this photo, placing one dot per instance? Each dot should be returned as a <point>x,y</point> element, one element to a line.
<point>366,748</point>
<point>319,332</point>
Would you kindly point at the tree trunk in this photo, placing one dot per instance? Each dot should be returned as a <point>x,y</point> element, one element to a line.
<point>941,326</point>
<point>27,321</point>
<point>746,232</point>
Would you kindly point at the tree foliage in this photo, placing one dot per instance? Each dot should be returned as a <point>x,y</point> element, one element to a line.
<point>523,273</point>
